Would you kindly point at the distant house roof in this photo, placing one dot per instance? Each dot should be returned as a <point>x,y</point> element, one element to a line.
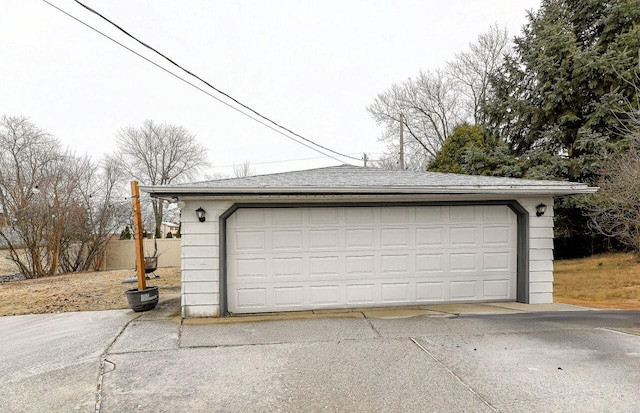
<point>347,179</point>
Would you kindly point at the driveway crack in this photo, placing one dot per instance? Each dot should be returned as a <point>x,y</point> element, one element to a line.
<point>475,393</point>
<point>104,362</point>
<point>371,325</point>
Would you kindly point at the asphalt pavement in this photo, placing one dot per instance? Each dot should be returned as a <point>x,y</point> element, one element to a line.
<point>430,360</point>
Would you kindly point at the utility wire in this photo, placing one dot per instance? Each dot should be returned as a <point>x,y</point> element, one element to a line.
<point>209,84</point>
<point>272,162</point>
<point>191,84</point>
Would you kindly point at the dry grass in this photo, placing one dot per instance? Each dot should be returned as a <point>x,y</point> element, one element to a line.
<point>78,292</point>
<point>602,281</point>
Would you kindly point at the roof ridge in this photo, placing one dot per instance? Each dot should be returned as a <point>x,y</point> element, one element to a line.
<point>274,174</point>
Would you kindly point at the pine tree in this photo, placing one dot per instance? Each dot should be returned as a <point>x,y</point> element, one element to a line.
<point>126,233</point>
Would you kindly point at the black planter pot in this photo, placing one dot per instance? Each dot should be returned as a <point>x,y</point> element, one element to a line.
<point>144,300</point>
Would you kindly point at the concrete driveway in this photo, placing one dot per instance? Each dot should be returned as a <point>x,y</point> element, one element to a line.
<point>118,361</point>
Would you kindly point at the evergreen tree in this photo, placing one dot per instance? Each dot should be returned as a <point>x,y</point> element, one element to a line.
<point>569,84</point>
<point>451,158</point>
<point>126,233</point>
<point>562,100</point>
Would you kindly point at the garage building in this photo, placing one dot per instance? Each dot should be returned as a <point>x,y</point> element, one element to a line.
<point>348,237</point>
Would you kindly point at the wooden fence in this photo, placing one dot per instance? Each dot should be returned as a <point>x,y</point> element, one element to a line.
<point>121,254</point>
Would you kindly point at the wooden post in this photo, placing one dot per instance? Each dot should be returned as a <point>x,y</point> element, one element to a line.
<point>137,231</point>
<point>401,142</point>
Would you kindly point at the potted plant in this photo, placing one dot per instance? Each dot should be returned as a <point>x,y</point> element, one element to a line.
<point>151,261</point>
<point>142,300</point>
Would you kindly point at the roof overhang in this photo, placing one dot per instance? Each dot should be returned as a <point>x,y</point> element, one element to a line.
<point>553,190</point>
<point>351,181</point>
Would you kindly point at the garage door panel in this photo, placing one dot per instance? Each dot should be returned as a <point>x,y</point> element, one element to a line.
<point>351,257</point>
<point>459,262</point>
<point>496,213</point>
<point>431,237</point>
<point>463,290</point>
<point>360,238</point>
<point>395,237</point>
<point>430,263</point>
<point>286,216</point>
<point>360,264</point>
<point>287,267</point>
<point>286,240</point>
<point>394,264</point>
<point>326,266</point>
<point>497,235</point>
<point>322,239</point>
<point>248,217</point>
<point>399,292</point>
<point>290,296</point>
<point>326,295</point>
<point>251,298</point>
<point>394,215</point>
<point>361,294</point>
<point>249,241</point>
<point>359,215</point>
<point>323,216</point>
<point>462,214</point>
<point>463,236</point>
<point>496,288</point>
<point>253,268</point>
<point>429,291</point>
<point>430,214</point>
<point>497,261</point>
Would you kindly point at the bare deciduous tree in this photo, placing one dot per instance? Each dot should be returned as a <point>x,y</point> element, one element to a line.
<point>244,169</point>
<point>159,154</point>
<point>429,108</point>
<point>616,206</point>
<point>435,102</point>
<point>24,165</point>
<point>615,210</point>
<point>470,70</point>
<point>55,204</point>
<point>100,210</point>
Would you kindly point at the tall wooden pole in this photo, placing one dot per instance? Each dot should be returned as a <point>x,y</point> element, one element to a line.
<point>137,231</point>
<point>401,142</point>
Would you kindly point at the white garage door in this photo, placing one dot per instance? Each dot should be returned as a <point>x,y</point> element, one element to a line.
<point>288,259</point>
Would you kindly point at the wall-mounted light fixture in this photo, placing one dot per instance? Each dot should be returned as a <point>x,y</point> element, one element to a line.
<point>200,214</point>
<point>540,210</point>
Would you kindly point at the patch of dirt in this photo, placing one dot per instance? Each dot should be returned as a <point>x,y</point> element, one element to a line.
<point>90,291</point>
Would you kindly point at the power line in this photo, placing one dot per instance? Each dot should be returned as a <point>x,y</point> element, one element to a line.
<point>272,162</point>
<point>209,84</point>
<point>191,84</point>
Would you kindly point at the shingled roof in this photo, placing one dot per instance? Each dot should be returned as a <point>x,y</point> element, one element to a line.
<point>353,179</point>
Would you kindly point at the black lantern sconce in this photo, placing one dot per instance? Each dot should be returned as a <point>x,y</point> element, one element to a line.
<point>540,210</point>
<point>200,214</point>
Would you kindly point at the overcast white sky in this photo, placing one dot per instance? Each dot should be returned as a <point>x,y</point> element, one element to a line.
<point>312,66</point>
